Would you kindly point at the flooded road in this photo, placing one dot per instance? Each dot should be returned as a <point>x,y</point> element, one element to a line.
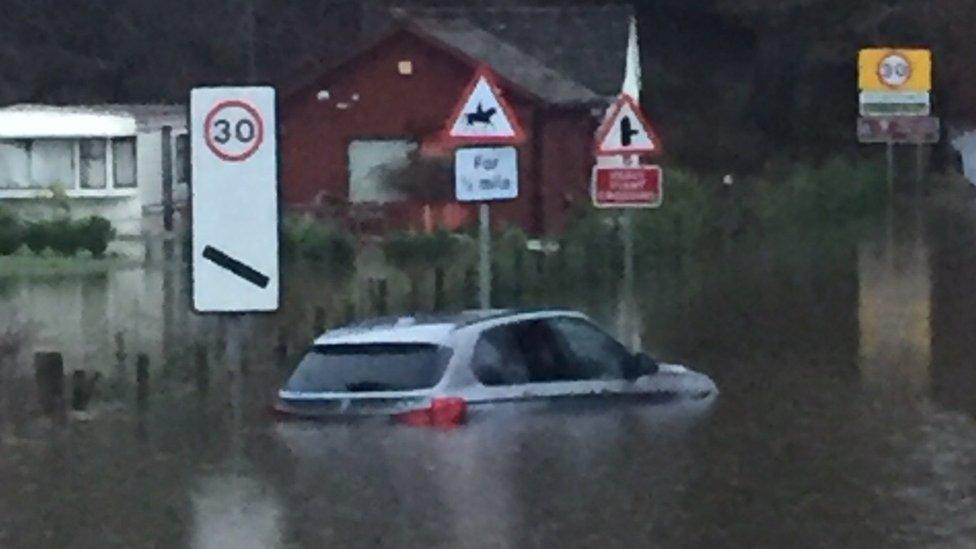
<point>846,417</point>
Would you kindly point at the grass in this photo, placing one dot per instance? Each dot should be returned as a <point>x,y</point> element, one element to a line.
<point>29,265</point>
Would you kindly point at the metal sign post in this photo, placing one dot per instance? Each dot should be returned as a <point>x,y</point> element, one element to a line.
<point>484,253</point>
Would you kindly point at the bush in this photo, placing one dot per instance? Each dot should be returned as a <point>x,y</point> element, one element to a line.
<point>817,199</point>
<point>315,240</point>
<point>37,237</point>
<point>11,233</point>
<point>821,196</point>
<point>64,236</point>
<point>95,233</point>
<point>416,251</point>
<point>67,237</point>
<point>511,264</point>
<point>687,218</point>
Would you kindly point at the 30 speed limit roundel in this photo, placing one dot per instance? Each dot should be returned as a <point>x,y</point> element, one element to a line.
<point>894,70</point>
<point>233,130</point>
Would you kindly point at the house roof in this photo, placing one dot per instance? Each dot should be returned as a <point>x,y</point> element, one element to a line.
<point>33,121</point>
<point>26,120</point>
<point>508,61</point>
<point>587,44</point>
<point>562,55</point>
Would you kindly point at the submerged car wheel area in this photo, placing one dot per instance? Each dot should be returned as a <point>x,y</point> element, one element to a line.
<point>437,370</point>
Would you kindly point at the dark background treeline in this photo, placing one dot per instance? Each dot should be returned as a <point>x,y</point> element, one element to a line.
<point>730,83</point>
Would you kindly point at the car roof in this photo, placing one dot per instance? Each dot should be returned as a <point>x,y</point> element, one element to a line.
<point>424,328</point>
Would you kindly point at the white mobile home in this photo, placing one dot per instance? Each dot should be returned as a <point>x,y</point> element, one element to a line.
<point>107,159</point>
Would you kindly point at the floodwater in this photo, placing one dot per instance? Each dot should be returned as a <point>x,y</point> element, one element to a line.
<point>847,416</point>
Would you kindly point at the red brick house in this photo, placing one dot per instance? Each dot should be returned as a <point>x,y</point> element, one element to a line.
<point>393,94</point>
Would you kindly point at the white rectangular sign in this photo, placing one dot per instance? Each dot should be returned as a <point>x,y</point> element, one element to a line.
<point>893,103</point>
<point>234,199</point>
<point>486,173</point>
<point>903,97</point>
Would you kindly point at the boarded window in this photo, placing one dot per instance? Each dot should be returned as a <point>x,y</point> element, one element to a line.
<point>124,161</point>
<point>93,163</point>
<point>369,161</point>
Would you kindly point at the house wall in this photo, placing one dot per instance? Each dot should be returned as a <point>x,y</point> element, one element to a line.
<point>370,99</point>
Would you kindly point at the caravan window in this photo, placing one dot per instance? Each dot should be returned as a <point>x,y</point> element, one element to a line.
<point>124,161</point>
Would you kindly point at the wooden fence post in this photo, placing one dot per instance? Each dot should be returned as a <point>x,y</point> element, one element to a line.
<point>49,373</point>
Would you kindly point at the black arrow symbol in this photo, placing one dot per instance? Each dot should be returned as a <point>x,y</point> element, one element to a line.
<point>240,269</point>
<point>626,133</point>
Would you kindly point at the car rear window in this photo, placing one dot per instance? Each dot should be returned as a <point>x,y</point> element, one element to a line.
<point>373,367</point>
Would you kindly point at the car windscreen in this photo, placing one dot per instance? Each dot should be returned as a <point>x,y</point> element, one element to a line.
<point>369,367</point>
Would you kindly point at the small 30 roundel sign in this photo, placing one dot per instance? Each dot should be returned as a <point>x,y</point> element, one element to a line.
<point>233,130</point>
<point>894,70</point>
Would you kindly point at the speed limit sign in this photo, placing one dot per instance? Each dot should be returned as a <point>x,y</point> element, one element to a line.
<point>233,130</point>
<point>894,70</point>
<point>234,199</point>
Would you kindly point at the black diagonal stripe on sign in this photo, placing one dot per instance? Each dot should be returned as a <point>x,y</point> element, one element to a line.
<point>240,269</point>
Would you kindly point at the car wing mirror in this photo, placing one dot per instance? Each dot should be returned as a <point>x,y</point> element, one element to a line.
<point>640,365</point>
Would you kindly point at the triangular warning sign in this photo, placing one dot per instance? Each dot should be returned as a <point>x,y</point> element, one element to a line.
<point>627,131</point>
<point>483,116</point>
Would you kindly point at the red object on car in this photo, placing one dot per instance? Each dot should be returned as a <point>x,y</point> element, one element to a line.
<point>443,413</point>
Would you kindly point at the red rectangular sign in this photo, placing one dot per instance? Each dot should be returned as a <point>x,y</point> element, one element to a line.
<point>898,129</point>
<point>627,186</point>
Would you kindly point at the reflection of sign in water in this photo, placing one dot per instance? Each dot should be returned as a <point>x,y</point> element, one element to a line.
<point>486,173</point>
<point>894,315</point>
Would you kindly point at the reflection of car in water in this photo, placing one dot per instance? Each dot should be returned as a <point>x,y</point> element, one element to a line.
<point>428,369</point>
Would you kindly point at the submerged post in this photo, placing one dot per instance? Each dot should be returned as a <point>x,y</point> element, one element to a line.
<point>142,378</point>
<point>167,177</point>
<point>484,263</point>
<point>919,167</point>
<point>201,367</point>
<point>49,373</point>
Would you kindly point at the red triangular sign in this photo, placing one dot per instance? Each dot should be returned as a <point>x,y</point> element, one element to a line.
<point>483,115</point>
<point>627,131</point>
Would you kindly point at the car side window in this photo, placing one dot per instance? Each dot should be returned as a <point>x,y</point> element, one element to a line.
<point>498,358</point>
<point>547,360</point>
<point>593,354</point>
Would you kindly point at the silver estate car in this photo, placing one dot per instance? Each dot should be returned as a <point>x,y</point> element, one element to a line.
<point>438,369</point>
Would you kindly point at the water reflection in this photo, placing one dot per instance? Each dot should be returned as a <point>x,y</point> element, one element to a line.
<point>894,315</point>
<point>807,341</point>
<point>233,510</point>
